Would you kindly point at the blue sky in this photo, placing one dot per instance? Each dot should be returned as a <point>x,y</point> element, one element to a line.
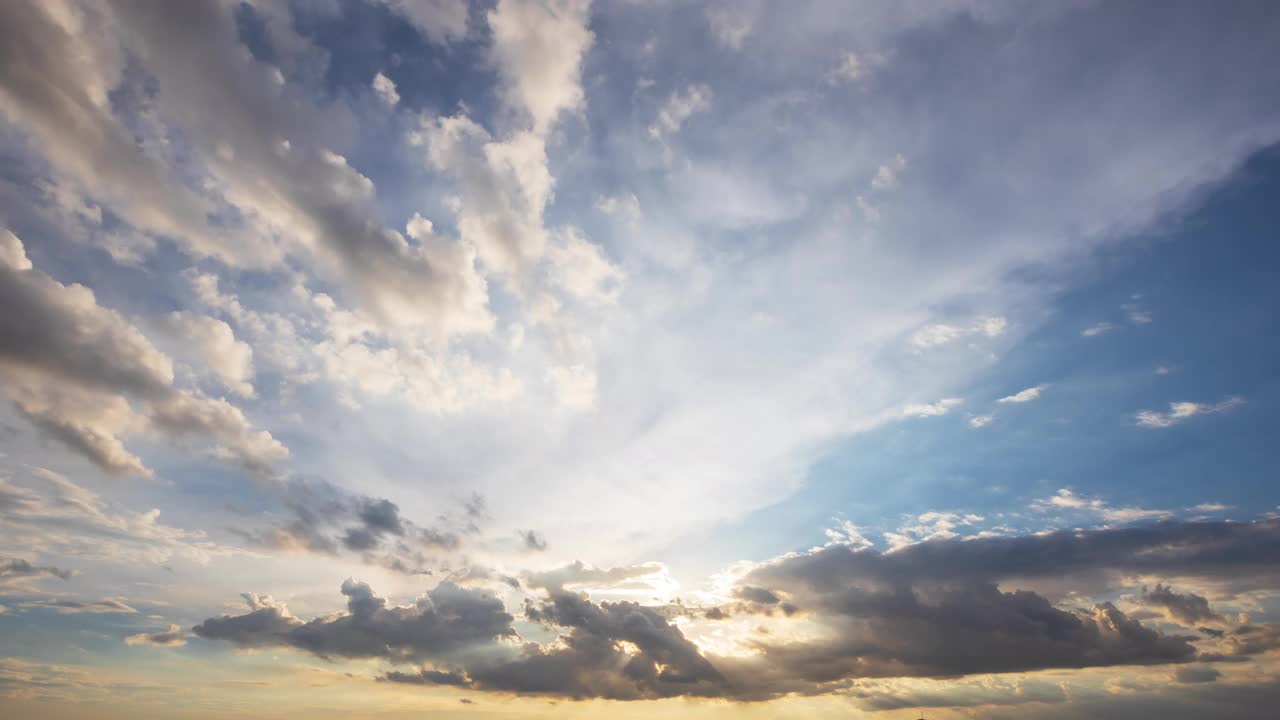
<point>877,359</point>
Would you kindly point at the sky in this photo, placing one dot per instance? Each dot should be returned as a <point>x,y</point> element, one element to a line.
<point>640,359</point>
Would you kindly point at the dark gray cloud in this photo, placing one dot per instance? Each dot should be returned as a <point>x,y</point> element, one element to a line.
<point>1186,609</point>
<point>944,608</point>
<point>1196,674</point>
<point>324,518</point>
<point>447,619</point>
<point>532,540</point>
<point>11,568</point>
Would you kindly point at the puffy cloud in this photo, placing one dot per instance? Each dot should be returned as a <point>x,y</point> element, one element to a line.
<point>174,636</point>
<point>1095,330</point>
<point>1180,411</point>
<point>385,89</point>
<point>978,421</point>
<point>446,619</point>
<point>1186,609</point>
<point>538,49</point>
<point>212,343</point>
<point>71,366</point>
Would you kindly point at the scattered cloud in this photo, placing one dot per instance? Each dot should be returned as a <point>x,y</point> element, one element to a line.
<point>1181,411</point>
<point>1022,396</point>
<point>385,89</point>
<point>941,407</point>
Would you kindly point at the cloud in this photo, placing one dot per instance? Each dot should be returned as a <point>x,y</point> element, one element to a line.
<point>888,175</point>
<point>1067,500</point>
<point>1188,609</point>
<point>730,24</point>
<point>538,50</point>
<point>931,608</point>
<point>941,407</point>
<point>447,618</point>
<point>1196,674</point>
<point>1098,329</point>
<point>16,568</point>
<point>978,421</point>
<point>323,518</point>
<point>385,89</point>
<point>77,607</point>
<point>1181,411</point>
<point>943,334</point>
<point>58,517</point>
<point>1023,396</point>
<point>71,366</point>
<point>174,636</point>
<point>532,540</point>
<point>681,106</point>
<point>207,341</point>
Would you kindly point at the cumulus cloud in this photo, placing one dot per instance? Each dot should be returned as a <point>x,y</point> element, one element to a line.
<point>1181,411</point>
<point>1186,609</point>
<point>212,343</point>
<point>447,618</point>
<point>72,366</point>
<point>385,89</point>
<point>1098,329</point>
<point>979,421</point>
<point>538,49</point>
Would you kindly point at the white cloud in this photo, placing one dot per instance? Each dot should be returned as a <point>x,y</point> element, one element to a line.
<point>211,342</point>
<point>538,49</point>
<point>943,334</point>
<point>1027,395</point>
<point>681,106</point>
<point>887,177</point>
<point>385,89</point>
<point>1180,411</point>
<point>1065,499</point>
<point>978,421</point>
<point>941,407</point>
<point>1098,329</point>
<point>731,24</point>
<point>575,386</point>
